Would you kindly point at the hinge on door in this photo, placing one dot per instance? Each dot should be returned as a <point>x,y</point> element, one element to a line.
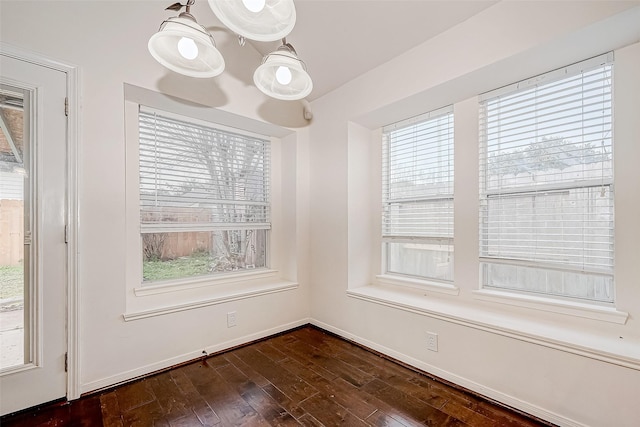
<point>66,234</point>
<point>66,362</point>
<point>66,106</point>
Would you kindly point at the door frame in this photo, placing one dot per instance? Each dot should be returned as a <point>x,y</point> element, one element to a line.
<point>72,205</point>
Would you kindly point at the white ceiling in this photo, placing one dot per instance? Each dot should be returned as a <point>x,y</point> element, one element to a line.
<point>342,39</point>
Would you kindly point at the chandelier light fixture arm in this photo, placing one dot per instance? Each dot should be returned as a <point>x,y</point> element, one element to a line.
<point>187,16</point>
<point>186,47</point>
<point>177,6</point>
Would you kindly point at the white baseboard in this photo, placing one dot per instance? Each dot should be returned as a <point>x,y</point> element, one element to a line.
<point>186,357</point>
<point>498,396</point>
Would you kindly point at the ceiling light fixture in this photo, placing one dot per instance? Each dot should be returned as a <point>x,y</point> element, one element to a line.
<point>282,75</point>
<point>260,20</point>
<point>184,46</point>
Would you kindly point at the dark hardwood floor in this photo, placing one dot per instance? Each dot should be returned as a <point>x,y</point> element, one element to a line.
<point>303,377</point>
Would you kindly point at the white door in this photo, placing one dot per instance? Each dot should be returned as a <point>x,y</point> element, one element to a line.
<point>33,157</point>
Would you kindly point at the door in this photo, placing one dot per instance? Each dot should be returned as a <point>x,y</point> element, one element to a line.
<point>33,253</point>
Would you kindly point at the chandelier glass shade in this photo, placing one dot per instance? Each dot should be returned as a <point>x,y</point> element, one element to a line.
<point>260,20</point>
<point>282,75</point>
<point>184,46</point>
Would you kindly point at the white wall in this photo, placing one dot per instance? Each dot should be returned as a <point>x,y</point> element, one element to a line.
<point>107,40</point>
<point>565,380</point>
<point>568,369</point>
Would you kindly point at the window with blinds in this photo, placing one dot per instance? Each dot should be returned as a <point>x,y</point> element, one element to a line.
<point>417,225</point>
<point>546,173</point>
<point>204,198</point>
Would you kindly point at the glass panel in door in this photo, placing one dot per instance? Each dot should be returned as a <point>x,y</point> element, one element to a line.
<point>14,259</point>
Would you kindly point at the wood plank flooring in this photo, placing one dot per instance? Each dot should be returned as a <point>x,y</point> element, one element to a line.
<point>305,377</point>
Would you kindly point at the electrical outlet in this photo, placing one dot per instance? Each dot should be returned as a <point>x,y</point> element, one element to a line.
<point>432,341</point>
<point>231,319</point>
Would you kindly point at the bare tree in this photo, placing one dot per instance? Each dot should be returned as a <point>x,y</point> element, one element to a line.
<point>153,246</point>
<point>548,153</point>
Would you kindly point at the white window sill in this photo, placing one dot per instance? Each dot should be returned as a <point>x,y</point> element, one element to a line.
<point>419,284</point>
<point>172,297</point>
<point>203,281</point>
<point>571,308</point>
<point>570,337</point>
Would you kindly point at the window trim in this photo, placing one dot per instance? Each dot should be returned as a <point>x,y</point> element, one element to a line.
<point>217,298</point>
<point>173,285</point>
<point>201,291</point>
<point>554,304</point>
<point>396,279</point>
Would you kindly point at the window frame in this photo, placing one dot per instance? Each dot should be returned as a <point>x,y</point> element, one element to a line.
<point>387,238</point>
<point>556,187</point>
<point>161,227</point>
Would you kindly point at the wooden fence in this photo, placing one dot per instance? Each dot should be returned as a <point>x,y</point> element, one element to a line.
<point>185,244</point>
<point>11,232</point>
<point>174,245</point>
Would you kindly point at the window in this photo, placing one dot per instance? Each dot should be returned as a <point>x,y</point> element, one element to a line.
<point>546,173</point>
<point>204,198</point>
<point>417,225</point>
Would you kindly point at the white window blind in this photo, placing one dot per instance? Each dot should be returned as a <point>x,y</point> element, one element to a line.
<point>204,198</point>
<point>546,172</point>
<point>418,195</point>
<point>201,177</point>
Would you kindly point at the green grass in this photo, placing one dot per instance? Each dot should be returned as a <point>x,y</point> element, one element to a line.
<point>11,281</point>
<point>194,265</point>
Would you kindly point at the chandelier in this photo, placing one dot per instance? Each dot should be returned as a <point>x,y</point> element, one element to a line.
<point>186,47</point>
